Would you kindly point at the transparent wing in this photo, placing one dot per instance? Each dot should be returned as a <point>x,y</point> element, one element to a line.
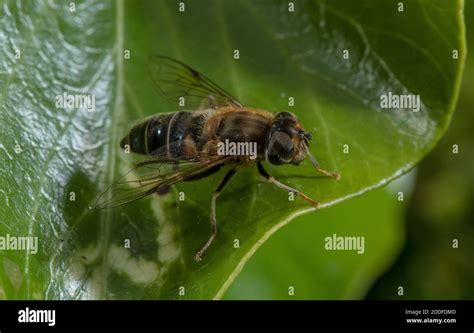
<point>173,80</point>
<point>150,176</point>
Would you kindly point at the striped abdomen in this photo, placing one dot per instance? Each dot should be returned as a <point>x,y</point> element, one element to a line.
<point>166,134</point>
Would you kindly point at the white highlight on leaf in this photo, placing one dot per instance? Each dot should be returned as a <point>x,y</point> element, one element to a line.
<point>82,258</point>
<point>87,265</point>
<point>138,269</point>
<point>168,248</point>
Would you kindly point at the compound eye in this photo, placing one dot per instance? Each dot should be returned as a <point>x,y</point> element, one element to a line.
<point>281,148</point>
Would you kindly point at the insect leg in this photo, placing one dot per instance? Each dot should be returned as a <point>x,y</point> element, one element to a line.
<point>315,163</point>
<point>224,182</point>
<point>269,178</point>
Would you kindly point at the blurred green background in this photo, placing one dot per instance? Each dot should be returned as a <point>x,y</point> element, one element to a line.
<point>409,243</point>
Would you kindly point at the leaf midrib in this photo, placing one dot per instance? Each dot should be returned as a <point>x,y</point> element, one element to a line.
<point>116,114</point>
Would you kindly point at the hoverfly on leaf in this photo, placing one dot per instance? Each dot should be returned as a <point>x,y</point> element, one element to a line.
<point>189,141</point>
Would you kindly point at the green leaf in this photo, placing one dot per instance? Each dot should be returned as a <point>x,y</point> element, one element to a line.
<point>440,212</point>
<point>51,154</point>
<point>295,264</point>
